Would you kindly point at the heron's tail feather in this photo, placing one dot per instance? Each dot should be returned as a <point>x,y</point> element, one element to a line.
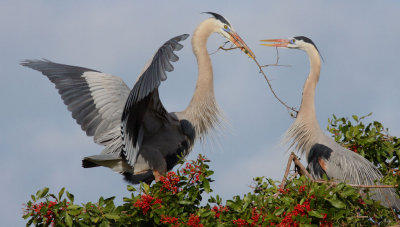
<point>112,161</point>
<point>387,197</point>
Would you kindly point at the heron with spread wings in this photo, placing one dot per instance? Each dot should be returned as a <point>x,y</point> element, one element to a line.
<point>324,155</point>
<point>142,139</point>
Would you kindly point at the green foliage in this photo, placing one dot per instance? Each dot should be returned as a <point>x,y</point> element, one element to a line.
<point>177,200</point>
<point>371,141</point>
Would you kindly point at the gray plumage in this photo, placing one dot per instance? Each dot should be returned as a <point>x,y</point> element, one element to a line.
<point>142,140</point>
<point>324,155</point>
<point>104,105</point>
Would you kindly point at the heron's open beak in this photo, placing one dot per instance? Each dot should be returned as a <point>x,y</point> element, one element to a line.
<point>276,42</point>
<point>235,39</point>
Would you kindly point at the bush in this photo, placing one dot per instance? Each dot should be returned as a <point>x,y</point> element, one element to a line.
<point>177,199</point>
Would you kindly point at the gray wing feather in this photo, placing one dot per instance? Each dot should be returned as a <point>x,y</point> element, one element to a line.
<point>95,99</point>
<point>352,168</point>
<point>142,94</point>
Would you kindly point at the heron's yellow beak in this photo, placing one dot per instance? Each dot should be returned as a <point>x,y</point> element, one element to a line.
<point>276,42</point>
<point>238,42</point>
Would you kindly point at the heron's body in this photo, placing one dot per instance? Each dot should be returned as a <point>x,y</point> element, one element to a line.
<point>324,155</point>
<point>142,140</point>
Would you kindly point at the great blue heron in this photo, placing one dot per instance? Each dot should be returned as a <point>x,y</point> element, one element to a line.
<point>324,155</point>
<point>142,140</point>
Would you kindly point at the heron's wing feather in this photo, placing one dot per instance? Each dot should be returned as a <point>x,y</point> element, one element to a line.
<point>144,99</point>
<point>95,99</point>
<point>352,168</point>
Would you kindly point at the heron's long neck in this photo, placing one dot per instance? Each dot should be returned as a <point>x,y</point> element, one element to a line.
<point>303,133</point>
<point>307,107</point>
<point>203,111</point>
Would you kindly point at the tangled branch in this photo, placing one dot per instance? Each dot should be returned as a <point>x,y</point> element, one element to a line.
<point>292,111</point>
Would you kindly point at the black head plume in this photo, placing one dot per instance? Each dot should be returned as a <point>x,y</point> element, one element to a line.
<point>308,40</point>
<point>219,17</point>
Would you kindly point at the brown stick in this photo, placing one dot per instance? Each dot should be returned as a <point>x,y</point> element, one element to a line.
<point>302,169</point>
<point>356,185</point>
<point>293,112</point>
<point>277,61</point>
<point>287,170</point>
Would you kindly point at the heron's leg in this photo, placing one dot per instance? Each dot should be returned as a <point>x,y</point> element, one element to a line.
<point>157,175</point>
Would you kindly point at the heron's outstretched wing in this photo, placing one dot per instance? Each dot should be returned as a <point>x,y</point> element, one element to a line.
<point>95,99</point>
<point>144,97</point>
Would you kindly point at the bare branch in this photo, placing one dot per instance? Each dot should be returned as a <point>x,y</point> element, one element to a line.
<point>292,111</point>
<point>277,61</point>
<point>355,185</point>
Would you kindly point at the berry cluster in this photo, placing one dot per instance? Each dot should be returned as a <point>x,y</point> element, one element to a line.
<point>193,171</point>
<point>146,202</point>
<point>44,211</point>
<point>299,209</point>
<point>194,221</point>
<point>170,220</point>
<point>218,210</point>
<point>240,222</point>
<point>169,182</point>
<point>302,189</point>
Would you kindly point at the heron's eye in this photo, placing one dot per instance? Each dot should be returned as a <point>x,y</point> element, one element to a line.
<point>292,41</point>
<point>226,28</point>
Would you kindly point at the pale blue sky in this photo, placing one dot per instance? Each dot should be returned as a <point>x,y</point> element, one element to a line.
<point>41,145</point>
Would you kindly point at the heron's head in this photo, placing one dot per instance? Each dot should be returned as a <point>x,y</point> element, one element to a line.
<point>298,42</point>
<point>223,27</point>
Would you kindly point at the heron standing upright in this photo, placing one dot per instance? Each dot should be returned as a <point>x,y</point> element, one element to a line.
<point>142,140</point>
<point>324,155</point>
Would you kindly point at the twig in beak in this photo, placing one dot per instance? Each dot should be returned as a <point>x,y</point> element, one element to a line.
<point>220,48</point>
<point>292,111</point>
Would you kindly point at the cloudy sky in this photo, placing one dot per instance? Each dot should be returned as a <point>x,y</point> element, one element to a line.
<point>41,145</point>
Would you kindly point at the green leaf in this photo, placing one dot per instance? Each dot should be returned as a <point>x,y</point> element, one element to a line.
<point>26,216</point>
<point>104,224</point>
<point>337,203</point>
<point>112,216</point>
<point>185,202</point>
<point>206,185</point>
<point>73,207</point>
<point>68,219</point>
<point>279,211</point>
<point>146,187</point>
<point>61,193</point>
<point>42,193</point>
<point>347,192</point>
<point>130,188</point>
<point>70,196</point>
<point>355,117</point>
<point>95,219</point>
<point>316,214</point>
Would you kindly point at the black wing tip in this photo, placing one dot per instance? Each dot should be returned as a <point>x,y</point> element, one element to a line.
<point>183,36</point>
<point>176,45</point>
<point>146,177</point>
<point>30,62</point>
<point>88,164</point>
